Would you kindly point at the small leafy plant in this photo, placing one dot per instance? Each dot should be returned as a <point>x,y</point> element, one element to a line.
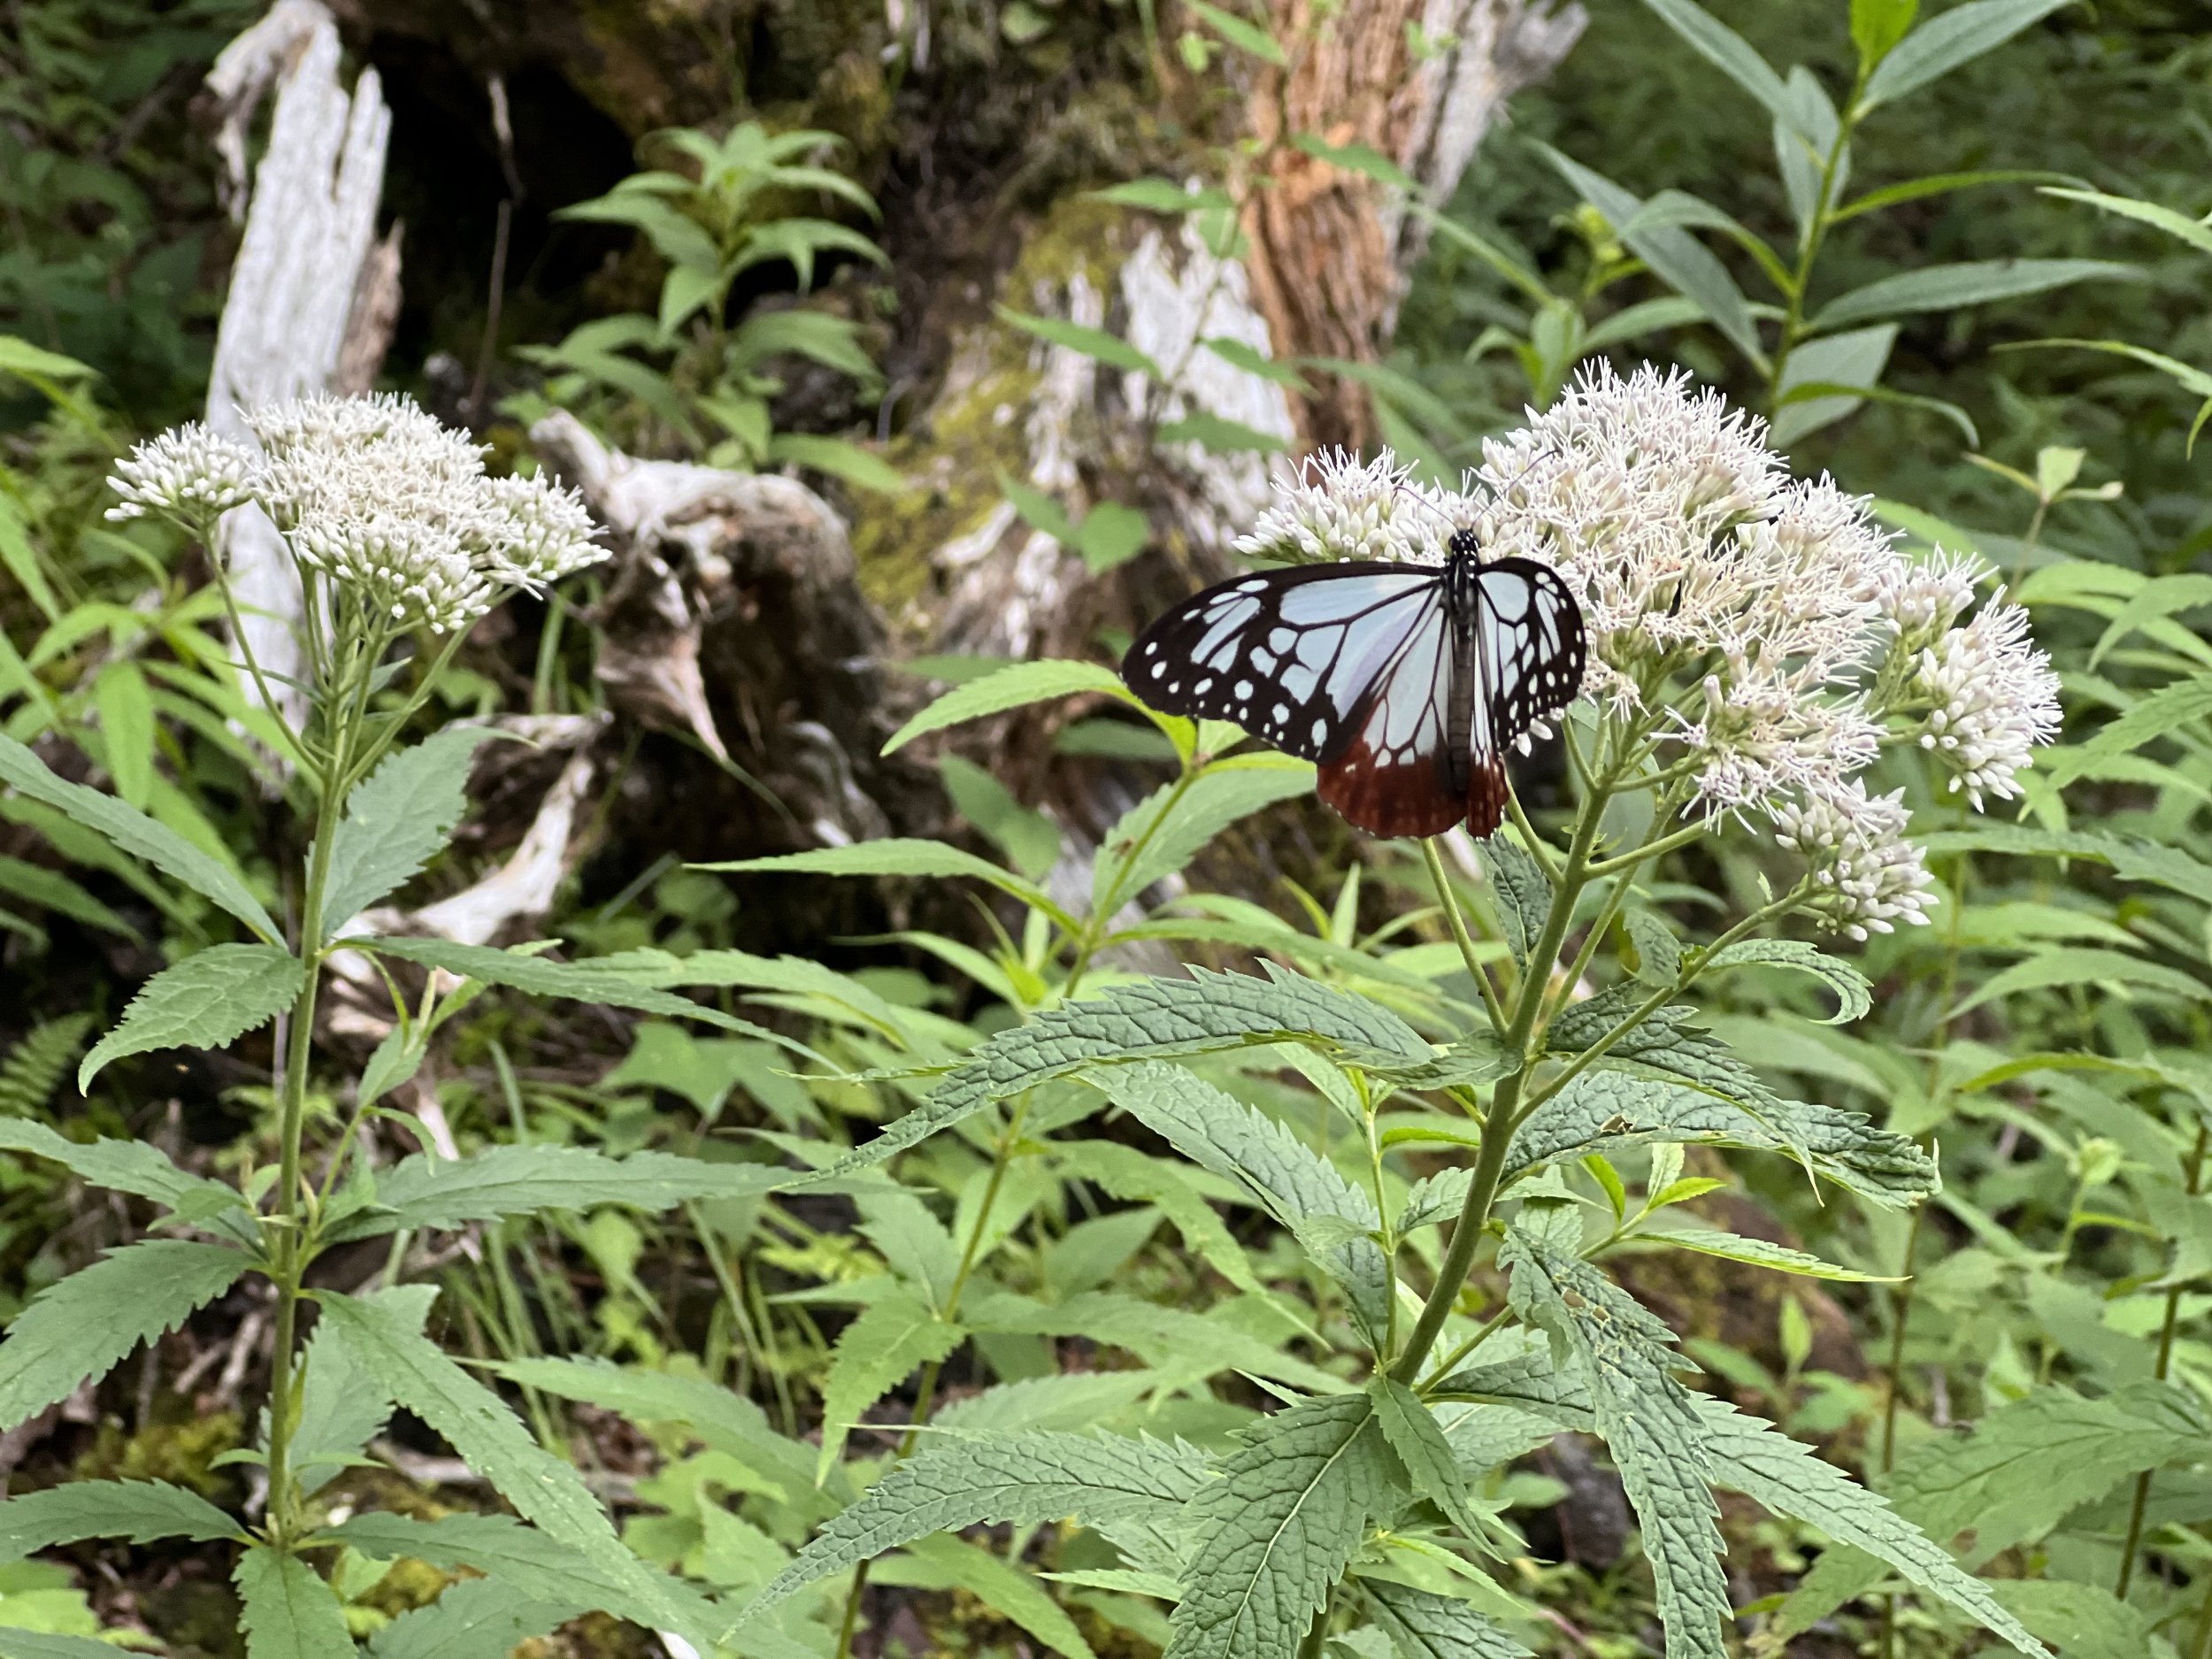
<point>736,215</point>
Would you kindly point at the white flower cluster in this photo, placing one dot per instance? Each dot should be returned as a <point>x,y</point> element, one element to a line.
<point>1332,506</point>
<point>1764,627</point>
<point>378,497</point>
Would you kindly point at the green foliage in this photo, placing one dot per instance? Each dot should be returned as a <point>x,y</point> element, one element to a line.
<point>205,1001</point>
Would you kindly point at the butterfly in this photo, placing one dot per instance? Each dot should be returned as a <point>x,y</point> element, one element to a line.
<point>1405,683</point>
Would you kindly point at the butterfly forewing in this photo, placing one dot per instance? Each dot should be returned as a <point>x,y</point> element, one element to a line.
<point>1398,774</point>
<point>1290,656</point>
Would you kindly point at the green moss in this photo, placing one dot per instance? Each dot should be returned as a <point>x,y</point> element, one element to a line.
<point>179,1453</point>
<point>974,430</point>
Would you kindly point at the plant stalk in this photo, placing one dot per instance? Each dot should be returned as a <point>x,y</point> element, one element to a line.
<point>2141,1503</point>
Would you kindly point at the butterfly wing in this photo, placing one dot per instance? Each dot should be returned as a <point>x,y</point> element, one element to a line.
<point>1290,656</point>
<point>1530,648</point>
<point>1400,771</point>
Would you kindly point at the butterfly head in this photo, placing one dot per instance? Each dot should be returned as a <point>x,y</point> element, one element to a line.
<point>1464,544</point>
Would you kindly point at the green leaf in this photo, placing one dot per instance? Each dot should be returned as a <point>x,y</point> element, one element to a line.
<point>1153,1018</point>
<point>52,890</point>
<point>893,1336</point>
<point>577,982</point>
<point>1220,434</point>
<point>1942,44</point>
<point>1650,1422</point>
<point>530,1562</point>
<point>1014,687</point>
<point>1677,258</point>
<point>126,729</point>
<point>341,1406</point>
<point>1110,535</point>
<point>1424,1625</point>
<point>895,856</point>
<point>1279,1528</point>
<point>2079,964</point>
<point>1757,1253</point>
<point>950,1563</point>
<point>1523,892</point>
<point>1854,360</point>
<point>1601,1111</point>
<point>1162,834</point>
<point>1728,51</point>
<point>438,1194</point>
<point>1219,1133</point>
<point>1853,996</point>
<point>1199,1344</point>
<point>726,1422</point>
<point>2180,226</point>
<point>81,1327</point>
<point>1411,1429</point>
<point>1944,287</point>
<point>478,1426</point>
<point>397,820</point>
<point>126,1166</point>
<point>1838,393</point>
<point>1111,350</point>
<point>839,458</point>
<point>1877,26</point>
<point>207,1000</point>
<point>1026,1479</point>
<point>476,1618</point>
<point>18,1643</point>
<point>286,1609</point>
<point>24,360</point>
<point>2173,706</point>
<point>1030,839</point>
<point>2160,597</point>
<point>1937,184</point>
<point>1163,195</point>
<point>2086,1620</point>
<point>135,833</point>
<point>1248,36</point>
<point>1364,159</point>
<point>137,1511</point>
<point>1252,360</point>
<point>2131,860</point>
<point>1125,1173</point>
<point>1795,1481</point>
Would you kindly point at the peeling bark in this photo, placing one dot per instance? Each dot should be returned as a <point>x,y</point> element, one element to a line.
<point>313,296</point>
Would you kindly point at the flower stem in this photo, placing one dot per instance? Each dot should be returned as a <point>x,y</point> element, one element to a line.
<point>2136,1510</point>
<point>1461,937</point>
<point>288,1255</point>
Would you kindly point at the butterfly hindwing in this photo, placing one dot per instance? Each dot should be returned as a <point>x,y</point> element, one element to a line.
<point>1289,656</point>
<point>1400,773</point>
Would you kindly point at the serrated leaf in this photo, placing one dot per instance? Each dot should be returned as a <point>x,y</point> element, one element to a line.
<point>2024,1469</point>
<point>2082,964</point>
<point>1854,994</point>
<point>891,1338</point>
<point>426,1192</point>
<point>576,981</point>
<point>1217,1132</point>
<point>1063,1400</point>
<point>1277,1531</point>
<point>488,1436</point>
<point>1523,892</point>
<point>126,1166</point>
<point>1125,1173</point>
<point>1650,1423</point>
<point>2173,707</point>
<point>1411,1429</point>
<point>2131,860</point>
<point>1203,1014</point>
<point>136,833</point>
<point>81,1327</point>
<point>1014,687</point>
<point>17,1643</point>
<point>1794,1481</point>
<point>1163,831</point>
<point>397,820</point>
<point>342,1406</point>
<point>1434,1198</point>
<point>1603,1109</point>
<point>137,1511</point>
<point>1424,1625</point>
<point>1942,44</point>
<point>1026,1479</point>
<point>538,1566</point>
<point>286,1609</point>
<point>208,1001</point>
<point>476,1618</point>
<point>2086,1620</point>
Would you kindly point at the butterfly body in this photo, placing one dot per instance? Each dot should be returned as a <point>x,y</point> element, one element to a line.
<point>1404,684</point>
